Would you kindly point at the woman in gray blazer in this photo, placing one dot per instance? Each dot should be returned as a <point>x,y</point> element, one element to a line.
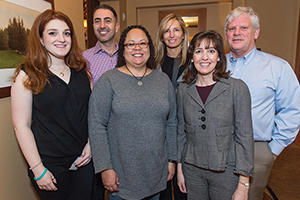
<point>215,139</point>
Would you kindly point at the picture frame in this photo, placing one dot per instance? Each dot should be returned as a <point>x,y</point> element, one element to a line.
<point>36,6</point>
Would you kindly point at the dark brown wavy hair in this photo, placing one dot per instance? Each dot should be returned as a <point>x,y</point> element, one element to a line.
<point>121,60</point>
<point>36,64</point>
<point>216,39</point>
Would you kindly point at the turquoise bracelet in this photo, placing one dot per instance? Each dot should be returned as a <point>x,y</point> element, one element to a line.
<point>41,176</point>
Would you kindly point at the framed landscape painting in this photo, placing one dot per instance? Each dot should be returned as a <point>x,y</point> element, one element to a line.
<point>17,17</point>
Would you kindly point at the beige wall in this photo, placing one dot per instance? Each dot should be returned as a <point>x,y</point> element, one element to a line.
<point>74,9</point>
<point>279,27</point>
<point>134,5</point>
<point>14,182</point>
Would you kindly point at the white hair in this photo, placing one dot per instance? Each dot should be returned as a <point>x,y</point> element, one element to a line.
<point>238,12</point>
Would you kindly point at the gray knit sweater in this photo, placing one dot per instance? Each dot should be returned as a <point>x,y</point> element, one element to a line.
<point>132,130</point>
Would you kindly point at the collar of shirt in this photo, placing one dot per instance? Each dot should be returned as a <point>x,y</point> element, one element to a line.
<point>246,59</point>
<point>98,48</point>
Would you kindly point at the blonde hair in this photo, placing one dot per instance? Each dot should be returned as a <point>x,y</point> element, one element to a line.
<point>160,47</point>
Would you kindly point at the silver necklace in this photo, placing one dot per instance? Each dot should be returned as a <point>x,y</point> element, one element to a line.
<point>140,83</point>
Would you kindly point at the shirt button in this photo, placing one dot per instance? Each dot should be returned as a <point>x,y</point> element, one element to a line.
<point>203,126</point>
<point>203,119</point>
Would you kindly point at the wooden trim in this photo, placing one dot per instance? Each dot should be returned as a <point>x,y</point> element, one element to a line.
<point>5,92</point>
<point>91,38</point>
<point>52,3</point>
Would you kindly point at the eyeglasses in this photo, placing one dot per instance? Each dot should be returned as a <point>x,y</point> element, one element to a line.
<point>132,45</point>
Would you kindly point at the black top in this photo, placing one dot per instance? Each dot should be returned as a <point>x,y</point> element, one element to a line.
<point>171,65</point>
<point>59,116</point>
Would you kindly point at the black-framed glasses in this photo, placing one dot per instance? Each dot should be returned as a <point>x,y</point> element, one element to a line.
<point>132,45</point>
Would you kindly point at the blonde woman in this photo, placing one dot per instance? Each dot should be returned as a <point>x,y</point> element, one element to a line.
<point>171,47</point>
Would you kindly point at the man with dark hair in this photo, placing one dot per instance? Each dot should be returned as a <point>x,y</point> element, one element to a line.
<point>103,56</point>
<point>274,90</point>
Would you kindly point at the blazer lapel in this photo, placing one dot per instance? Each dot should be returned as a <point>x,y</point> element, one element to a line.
<point>218,89</point>
<point>193,93</point>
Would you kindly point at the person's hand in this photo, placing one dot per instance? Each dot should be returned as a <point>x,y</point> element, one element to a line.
<point>171,170</point>
<point>241,193</point>
<point>180,179</point>
<point>110,180</point>
<point>275,156</point>
<point>47,181</point>
<point>86,156</point>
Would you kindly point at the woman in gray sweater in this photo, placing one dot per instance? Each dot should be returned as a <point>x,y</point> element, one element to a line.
<point>132,122</point>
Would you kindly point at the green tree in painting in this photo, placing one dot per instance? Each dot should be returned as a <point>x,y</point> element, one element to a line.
<point>3,39</point>
<point>17,35</point>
